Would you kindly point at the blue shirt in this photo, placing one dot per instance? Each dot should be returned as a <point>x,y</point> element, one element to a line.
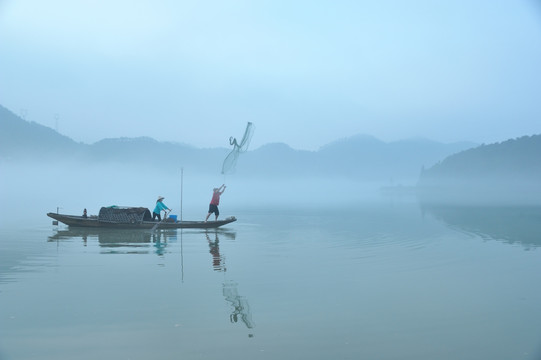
<point>159,207</point>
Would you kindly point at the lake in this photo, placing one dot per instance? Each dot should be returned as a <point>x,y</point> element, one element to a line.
<point>379,280</point>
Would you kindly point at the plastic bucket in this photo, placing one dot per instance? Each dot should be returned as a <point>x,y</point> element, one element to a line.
<point>173,217</point>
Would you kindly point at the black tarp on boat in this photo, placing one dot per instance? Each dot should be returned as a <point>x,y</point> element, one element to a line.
<point>125,215</point>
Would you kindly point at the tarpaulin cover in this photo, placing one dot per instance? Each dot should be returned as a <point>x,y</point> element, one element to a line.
<point>125,215</point>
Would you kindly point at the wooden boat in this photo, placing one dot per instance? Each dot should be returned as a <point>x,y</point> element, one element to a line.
<point>133,218</point>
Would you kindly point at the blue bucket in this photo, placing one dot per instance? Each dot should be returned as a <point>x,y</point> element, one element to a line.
<point>173,217</point>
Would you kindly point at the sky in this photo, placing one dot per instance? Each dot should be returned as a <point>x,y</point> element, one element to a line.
<point>306,73</point>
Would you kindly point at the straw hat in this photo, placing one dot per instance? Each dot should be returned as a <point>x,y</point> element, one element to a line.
<point>160,198</point>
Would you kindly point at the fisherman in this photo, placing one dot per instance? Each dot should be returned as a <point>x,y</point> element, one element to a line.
<point>215,201</point>
<point>158,209</point>
<point>84,213</point>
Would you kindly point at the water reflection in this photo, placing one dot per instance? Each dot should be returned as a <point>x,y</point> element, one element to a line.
<point>120,240</point>
<point>213,239</point>
<point>239,304</point>
<point>218,261</point>
<point>511,224</point>
<point>117,241</point>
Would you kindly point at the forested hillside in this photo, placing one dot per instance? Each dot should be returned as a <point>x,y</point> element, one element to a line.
<point>509,171</point>
<point>359,158</point>
<point>20,139</point>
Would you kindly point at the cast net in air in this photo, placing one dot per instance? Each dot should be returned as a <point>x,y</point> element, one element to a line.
<point>230,161</point>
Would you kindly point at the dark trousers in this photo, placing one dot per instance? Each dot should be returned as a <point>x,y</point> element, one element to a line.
<point>154,216</point>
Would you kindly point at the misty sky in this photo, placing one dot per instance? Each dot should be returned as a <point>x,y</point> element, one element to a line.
<point>305,72</point>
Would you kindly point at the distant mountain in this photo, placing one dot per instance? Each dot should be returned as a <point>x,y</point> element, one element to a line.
<point>361,158</point>
<point>394,161</point>
<point>509,171</point>
<point>145,150</point>
<point>276,160</point>
<point>23,139</point>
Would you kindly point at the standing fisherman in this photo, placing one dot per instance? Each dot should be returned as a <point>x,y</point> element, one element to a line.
<point>215,201</point>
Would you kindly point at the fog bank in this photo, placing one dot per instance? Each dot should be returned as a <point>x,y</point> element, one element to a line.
<point>29,191</point>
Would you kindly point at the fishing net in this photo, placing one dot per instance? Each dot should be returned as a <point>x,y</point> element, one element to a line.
<point>230,161</point>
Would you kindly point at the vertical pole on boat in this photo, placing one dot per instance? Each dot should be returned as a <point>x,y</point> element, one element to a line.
<point>181,188</point>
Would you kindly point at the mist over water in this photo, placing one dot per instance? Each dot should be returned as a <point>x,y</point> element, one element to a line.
<point>35,189</point>
<point>312,269</point>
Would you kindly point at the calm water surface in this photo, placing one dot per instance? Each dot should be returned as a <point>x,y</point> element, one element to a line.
<point>378,281</point>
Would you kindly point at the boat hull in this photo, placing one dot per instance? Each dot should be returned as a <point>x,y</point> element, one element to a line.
<point>94,222</point>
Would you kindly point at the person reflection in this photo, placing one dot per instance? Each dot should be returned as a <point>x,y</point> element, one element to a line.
<point>214,250</point>
<point>240,305</point>
<point>158,243</point>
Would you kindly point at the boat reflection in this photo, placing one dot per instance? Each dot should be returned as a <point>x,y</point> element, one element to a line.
<point>510,224</point>
<point>118,240</point>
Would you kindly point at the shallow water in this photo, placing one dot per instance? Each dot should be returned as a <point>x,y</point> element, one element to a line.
<point>385,280</point>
